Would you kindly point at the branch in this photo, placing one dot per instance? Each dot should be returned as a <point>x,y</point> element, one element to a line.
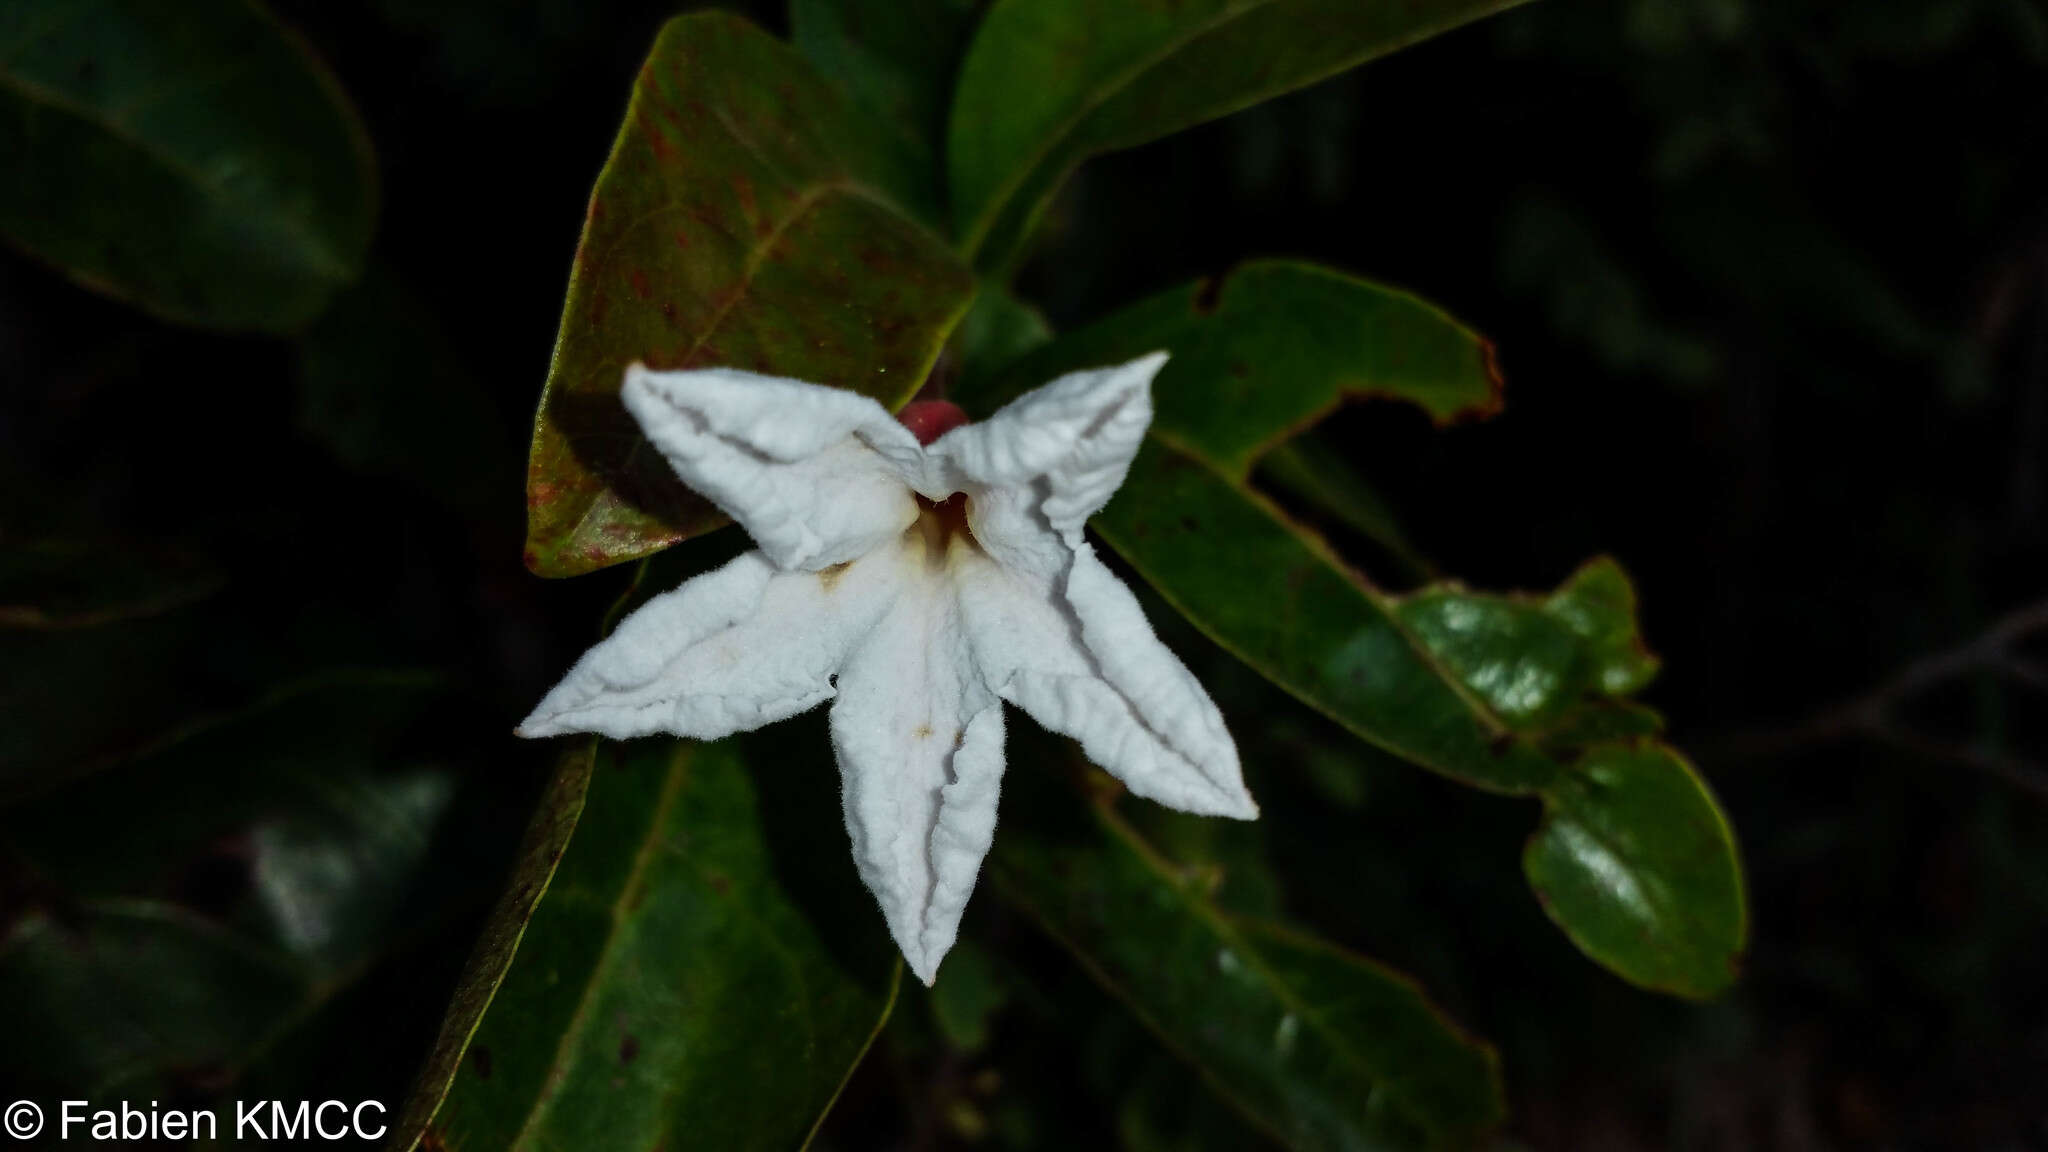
<point>1871,715</point>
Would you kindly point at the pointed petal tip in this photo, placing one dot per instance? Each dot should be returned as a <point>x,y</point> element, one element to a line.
<point>1151,362</point>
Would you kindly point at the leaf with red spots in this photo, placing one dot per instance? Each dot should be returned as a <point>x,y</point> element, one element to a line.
<point>749,216</point>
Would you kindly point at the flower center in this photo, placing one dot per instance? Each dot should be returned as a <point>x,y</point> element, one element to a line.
<point>941,525</point>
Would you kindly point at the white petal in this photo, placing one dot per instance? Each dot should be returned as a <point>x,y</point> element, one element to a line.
<point>920,746</point>
<point>816,475</point>
<point>1080,659</point>
<point>1077,435</point>
<point>730,650</point>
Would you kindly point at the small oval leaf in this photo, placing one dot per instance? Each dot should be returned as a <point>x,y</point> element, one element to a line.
<point>1636,862</point>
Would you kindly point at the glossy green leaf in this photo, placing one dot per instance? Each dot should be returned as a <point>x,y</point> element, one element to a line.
<point>310,751</point>
<point>1048,83</point>
<point>264,859</point>
<point>192,159</point>
<point>1636,863</point>
<point>747,217</point>
<point>110,994</point>
<point>1535,660</point>
<point>692,974</point>
<point>1320,1047</point>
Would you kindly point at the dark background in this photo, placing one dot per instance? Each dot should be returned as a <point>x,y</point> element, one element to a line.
<point>1770,288</point>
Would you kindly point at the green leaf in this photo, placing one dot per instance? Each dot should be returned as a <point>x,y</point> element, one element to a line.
<point>744,219</point>
<point>1536,661</point>
<point>1636,863</point>
<point>1267,351</point>
<point>964,1003</point>
<point>897,60</point>
<point>1316,474</point>
<point>692,973</point>
<point>1278,346</point>
<point>1320,1047</point>
<point>1048,83</point>
<point>547,838</point>
<point>112,993</point>
<point>291,833</point>
<point>1500,692</point>
<point>192,159</point>
<point>997,330</point>
<point>311,752</point>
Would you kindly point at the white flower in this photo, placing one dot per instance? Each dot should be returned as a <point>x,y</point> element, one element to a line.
<point>920,586</point>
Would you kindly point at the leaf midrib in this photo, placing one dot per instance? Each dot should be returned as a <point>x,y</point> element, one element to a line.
<point>1224,929</point>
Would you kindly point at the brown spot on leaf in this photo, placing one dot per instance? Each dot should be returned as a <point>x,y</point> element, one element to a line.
<point>720,883</point>
<point>663,150</point>
<point>480,1058</point>
<point>629,1048</point>
<point>641,287</point>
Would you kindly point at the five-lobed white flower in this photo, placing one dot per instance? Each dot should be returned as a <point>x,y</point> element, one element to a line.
<point>921,586</point>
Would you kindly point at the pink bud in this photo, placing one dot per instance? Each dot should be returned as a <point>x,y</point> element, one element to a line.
<point>930,419</point>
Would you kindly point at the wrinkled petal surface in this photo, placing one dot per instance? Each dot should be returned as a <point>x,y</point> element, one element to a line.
<point>920,616</point>
<point>817,476</point>
<point>1084,663</point>
<point>730,650</point>
<point>920,744</point>
<point>1075,436</point>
